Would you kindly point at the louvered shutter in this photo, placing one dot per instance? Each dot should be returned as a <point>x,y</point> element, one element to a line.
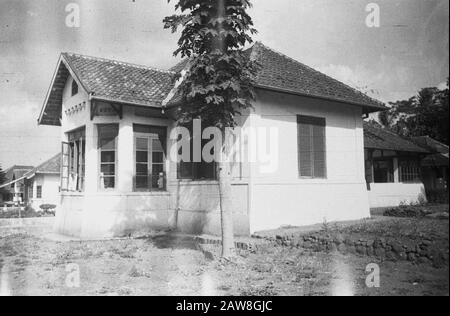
<point>312,147</point>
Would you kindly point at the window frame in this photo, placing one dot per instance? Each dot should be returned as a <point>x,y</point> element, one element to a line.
<point>74,88</point>
<point>390,160</point>
<point>74,161</point>
<point>418,177</point>
<point>30,190</point>
<point>150,137</point>
<point>312,121</point>
<point>38,191</point>
<point>195,166</point>
<point>101,187</point>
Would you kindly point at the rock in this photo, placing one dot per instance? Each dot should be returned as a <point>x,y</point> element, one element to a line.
<point>380,253</point>
<point>361,250</point>
<point>370,251</point>
<point>378,243</point>
<point>342,248</point>
<point>351,249</point>
<point>396,247</point>
<point>423,260</point>
<point>402,255</point>
<point>349,242</point>
<point>411,257</point>
<point>339,239</point>
<point>391,256</point>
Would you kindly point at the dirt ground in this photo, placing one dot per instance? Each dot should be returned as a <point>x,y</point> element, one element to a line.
<point>175,266</point>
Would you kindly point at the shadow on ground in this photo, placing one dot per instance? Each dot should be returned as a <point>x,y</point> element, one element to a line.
<point>169,241</point>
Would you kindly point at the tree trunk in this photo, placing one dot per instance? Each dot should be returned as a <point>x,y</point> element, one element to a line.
<point>226,200</point>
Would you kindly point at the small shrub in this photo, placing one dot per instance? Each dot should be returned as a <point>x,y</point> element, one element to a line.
<point>404,211</point>
<point>48,209</point>
<point>29,209</point>
<point>439,196</point>
<point>325,226</point>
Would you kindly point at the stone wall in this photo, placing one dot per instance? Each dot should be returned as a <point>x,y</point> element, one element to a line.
<point>421,250</point>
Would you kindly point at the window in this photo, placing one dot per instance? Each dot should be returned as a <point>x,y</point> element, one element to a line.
<point>107,147</point>
<point>190,170</point>
<point>39,192</point>
<point>150,157</point>
<point>311,147</point>
<point>30,190</point>
<point>73,161</point>
<point>74,87</point>
<point>383,171</point>
<point>409,170</point>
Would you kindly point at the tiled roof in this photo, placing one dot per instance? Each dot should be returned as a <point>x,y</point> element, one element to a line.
<point>127,83</point>
<point>16,172</point>
<point>119,81</point>
<point>285,74</point>
<point>379,138</point>
<point>51,166</point>
<point>281,72</point>
<point>440,150</point>
<point>106,80</point>
<point>431,144</point>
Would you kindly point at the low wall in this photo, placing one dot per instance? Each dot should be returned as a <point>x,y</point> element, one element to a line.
<point>191,208</point>
<point>394,194</point>
<point>278,205</point>
<point>37,226</point>
<point>421,250</point>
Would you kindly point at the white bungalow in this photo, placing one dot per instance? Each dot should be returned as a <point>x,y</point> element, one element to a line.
<point>117,177</point>
<point>42,184</point>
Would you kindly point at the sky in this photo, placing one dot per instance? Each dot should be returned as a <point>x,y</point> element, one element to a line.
<point>408,51</point>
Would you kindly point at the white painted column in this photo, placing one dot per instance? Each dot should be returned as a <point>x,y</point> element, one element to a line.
<point>396,170</point>
<point>125,155</point>
<point>92,164</point>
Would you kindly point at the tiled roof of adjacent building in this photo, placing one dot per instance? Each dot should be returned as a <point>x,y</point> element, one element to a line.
<point>17,171</point>
<point>13,174</point>
<point>440,150</point>
<point>376,137</point>
<point>51,166</point>
<point>431,144</point>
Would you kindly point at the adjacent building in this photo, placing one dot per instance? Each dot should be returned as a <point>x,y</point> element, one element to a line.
<point>14,188</point>
<point>434,166</point>
<point>393,168</point>
<point>34,186</point>
<point>42,183</point>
